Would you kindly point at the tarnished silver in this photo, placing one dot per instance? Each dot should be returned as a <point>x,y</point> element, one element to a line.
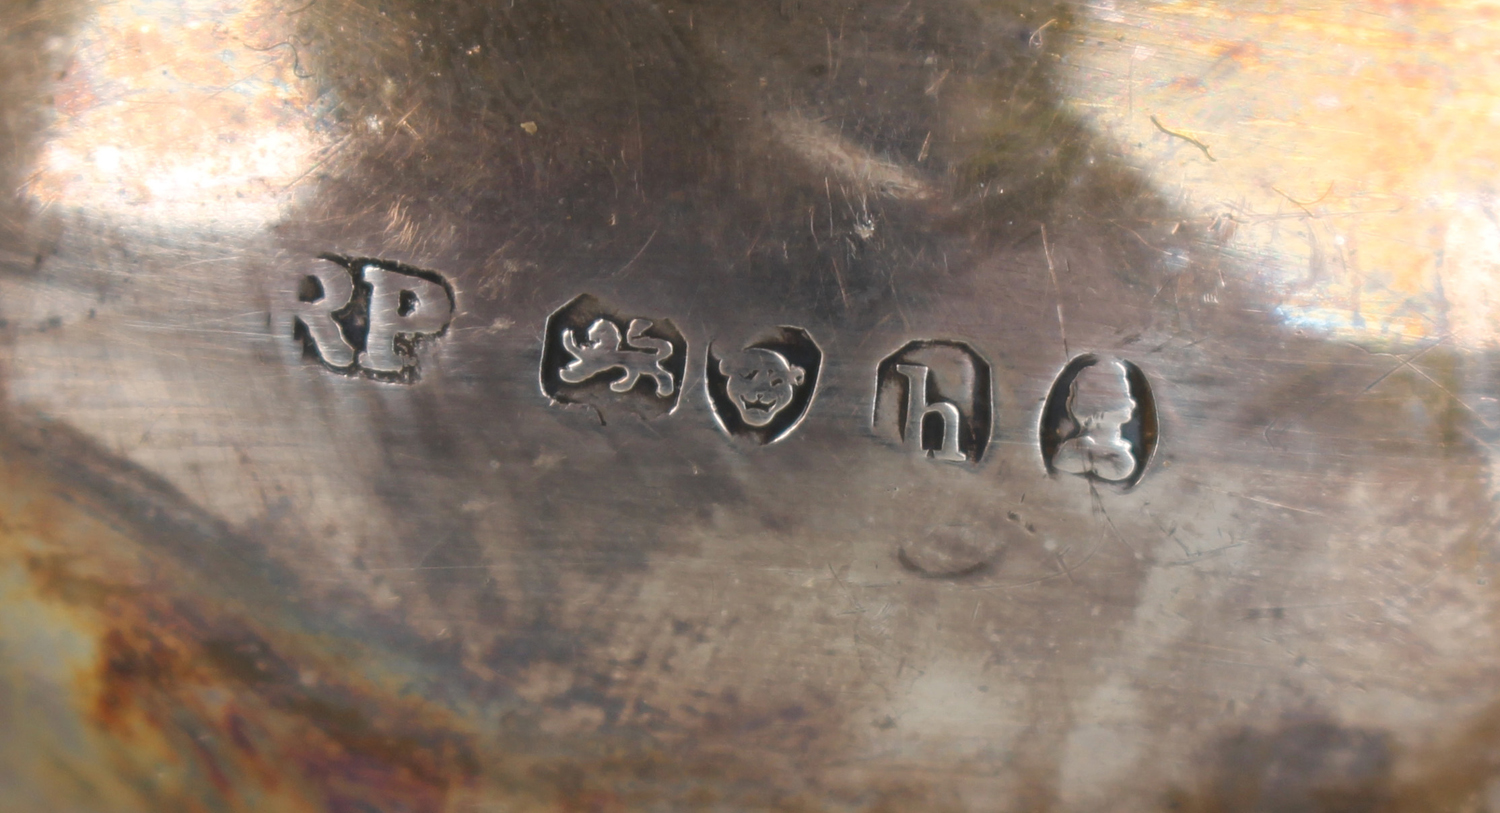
<point>901,405</point>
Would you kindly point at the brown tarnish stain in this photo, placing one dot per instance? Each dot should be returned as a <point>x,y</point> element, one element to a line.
<point>1317,766</point>
<point>1459,774</point>
<point>271,718</point>
<point>202,694</point>
<point>1306,765</point>
<point>319,743</point>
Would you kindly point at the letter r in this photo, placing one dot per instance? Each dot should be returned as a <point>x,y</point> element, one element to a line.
<point>316,312</point>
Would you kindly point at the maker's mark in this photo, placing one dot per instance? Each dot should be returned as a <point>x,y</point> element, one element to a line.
<point>367,317</point>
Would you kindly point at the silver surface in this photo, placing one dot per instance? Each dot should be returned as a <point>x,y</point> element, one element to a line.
<point>1053,501</point>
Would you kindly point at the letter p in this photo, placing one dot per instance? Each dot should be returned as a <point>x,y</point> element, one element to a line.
<point>400,305</point>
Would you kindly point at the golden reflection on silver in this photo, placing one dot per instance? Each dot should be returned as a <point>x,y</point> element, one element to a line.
<point>1341,150</point>
<point>183,113</point>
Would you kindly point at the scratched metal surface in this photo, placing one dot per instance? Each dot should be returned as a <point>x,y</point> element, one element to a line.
<point>1207,294</point>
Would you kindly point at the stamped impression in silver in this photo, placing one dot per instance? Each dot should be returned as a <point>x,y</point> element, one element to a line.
<point>1099,421</point>
<point>368,317</point>
<point>935,398</point>
<point>761,392</point>
<point>595,356</point>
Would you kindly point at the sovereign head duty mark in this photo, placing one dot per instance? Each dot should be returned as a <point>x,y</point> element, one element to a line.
<point>1099,421</point>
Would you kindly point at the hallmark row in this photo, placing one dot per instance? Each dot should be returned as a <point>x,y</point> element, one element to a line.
<point>369,318</point>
